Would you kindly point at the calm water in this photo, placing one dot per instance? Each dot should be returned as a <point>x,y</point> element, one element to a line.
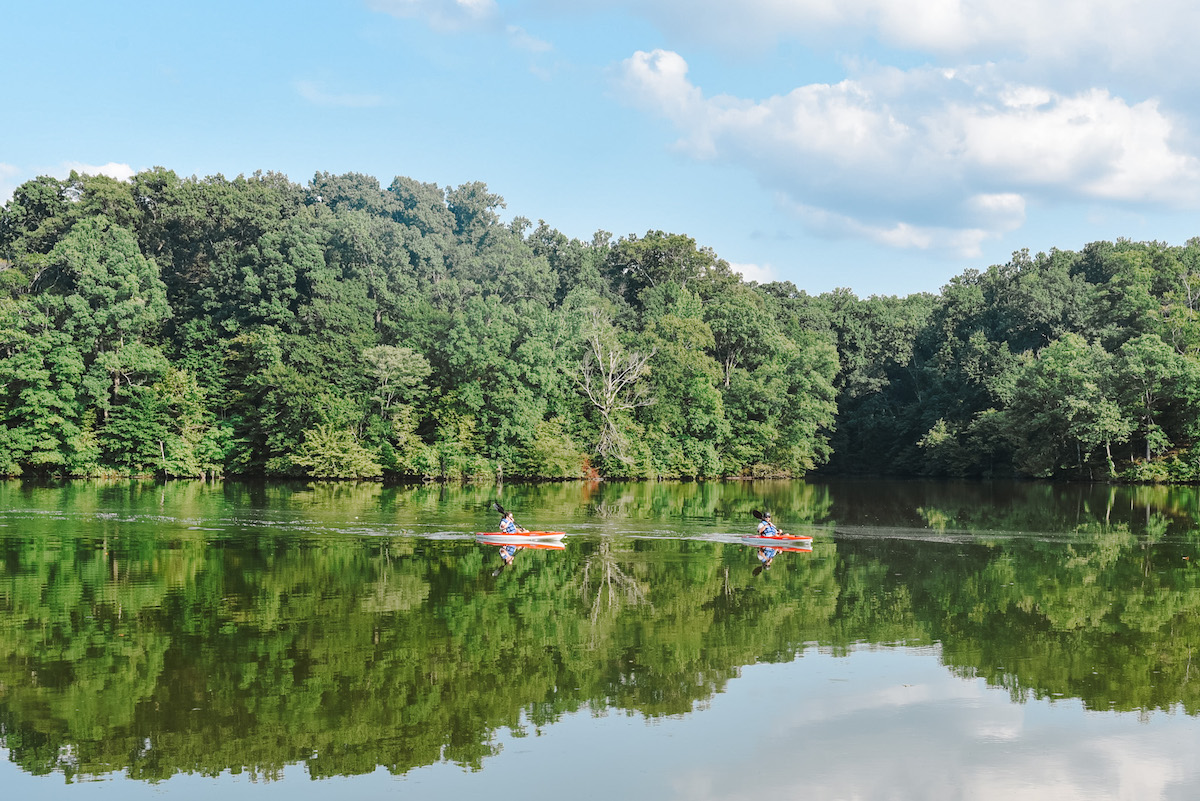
<point>940,641</point>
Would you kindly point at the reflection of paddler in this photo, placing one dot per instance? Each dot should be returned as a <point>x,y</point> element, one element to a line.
<point>507,552</point>
<point>766,555</point>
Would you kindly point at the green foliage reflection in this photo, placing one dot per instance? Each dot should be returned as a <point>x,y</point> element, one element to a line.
<point>158,629</point>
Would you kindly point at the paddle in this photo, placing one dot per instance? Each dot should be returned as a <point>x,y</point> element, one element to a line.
<point>504,513</point>
<point>758,514</point>
<point>761,516</point>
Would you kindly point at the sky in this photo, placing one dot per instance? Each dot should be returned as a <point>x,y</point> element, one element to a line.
<point>883,146</point>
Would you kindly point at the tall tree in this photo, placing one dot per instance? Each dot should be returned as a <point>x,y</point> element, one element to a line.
<point>610,378</point>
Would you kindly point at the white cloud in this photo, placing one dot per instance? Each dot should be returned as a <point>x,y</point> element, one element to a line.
<point>960,242</point>
<point>760,273</point>
<point>12,176</point>
<point>121,172</point>
<point>968,739</point>
<point>316,93</point>
<point>523,40</point>
<point>925,158</point>
<point>1094,142</point>
<point>1146,36</point>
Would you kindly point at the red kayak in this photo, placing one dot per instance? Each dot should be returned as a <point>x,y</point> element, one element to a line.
<point>794,540</point>
<point>519,537</point>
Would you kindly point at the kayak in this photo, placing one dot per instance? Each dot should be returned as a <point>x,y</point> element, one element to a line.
<point>520,542</point>
<point>522,536</point>
<point>777,539</point>
<point>795,546</point>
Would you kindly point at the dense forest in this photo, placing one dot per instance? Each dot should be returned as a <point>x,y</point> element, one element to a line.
<point>255,326</point>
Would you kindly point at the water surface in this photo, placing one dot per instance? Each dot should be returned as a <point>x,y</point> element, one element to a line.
<point>941,640</point>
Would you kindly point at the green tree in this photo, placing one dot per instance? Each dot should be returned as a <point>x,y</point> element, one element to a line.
<point>398,373</point>
<point>40,374</point>
<point>686,426</point>
<point>635,264</point>
<point>1157,381</point>
<point>1064,406</point>
<point>329,452</point>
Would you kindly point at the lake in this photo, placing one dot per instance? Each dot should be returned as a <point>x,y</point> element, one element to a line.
<point>939,641</point>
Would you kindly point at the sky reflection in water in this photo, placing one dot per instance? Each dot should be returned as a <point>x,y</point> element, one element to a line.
<point>1087,619</point>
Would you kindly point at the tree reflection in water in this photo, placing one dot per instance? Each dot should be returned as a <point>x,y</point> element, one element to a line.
<point>184,628</point>
<point>613,586</point>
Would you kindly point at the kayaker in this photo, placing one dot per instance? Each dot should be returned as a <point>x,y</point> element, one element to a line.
<point>508,525</point>
<point>765,527</point>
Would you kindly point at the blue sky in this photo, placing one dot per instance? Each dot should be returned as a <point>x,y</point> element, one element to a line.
<point>880,145</point>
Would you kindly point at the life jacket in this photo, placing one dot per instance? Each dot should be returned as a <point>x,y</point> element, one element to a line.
<point>768,530</point>
<point>508,526</point>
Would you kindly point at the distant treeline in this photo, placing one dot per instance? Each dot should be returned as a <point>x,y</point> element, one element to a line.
<point>254,326</point>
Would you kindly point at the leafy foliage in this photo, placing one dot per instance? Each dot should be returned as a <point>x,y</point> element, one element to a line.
<point>188,326</point>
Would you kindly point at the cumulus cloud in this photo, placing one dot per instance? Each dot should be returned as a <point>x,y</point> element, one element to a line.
<point>760,273</point>
<point>121,172</point>
<point>925,158</point>
<point>317,94</point>
<point>963,242</point>
<point>12,176</point>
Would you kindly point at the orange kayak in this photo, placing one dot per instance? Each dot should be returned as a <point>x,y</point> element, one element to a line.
<point>522,536</point>
<point>777,539</point>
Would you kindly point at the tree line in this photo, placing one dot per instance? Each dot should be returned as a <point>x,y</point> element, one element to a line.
<point>256,326</point>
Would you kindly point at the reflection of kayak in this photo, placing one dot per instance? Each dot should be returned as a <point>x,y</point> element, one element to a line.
<point>546,540</point>
<point>787,542</point>
<point>545,544</point>
<point>801,548</point>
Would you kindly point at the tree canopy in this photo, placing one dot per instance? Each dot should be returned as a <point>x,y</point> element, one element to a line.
<point>255,326</point>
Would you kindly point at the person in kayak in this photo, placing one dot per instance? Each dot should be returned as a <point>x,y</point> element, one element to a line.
<point>765,527</point>
<point>509,526</point>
